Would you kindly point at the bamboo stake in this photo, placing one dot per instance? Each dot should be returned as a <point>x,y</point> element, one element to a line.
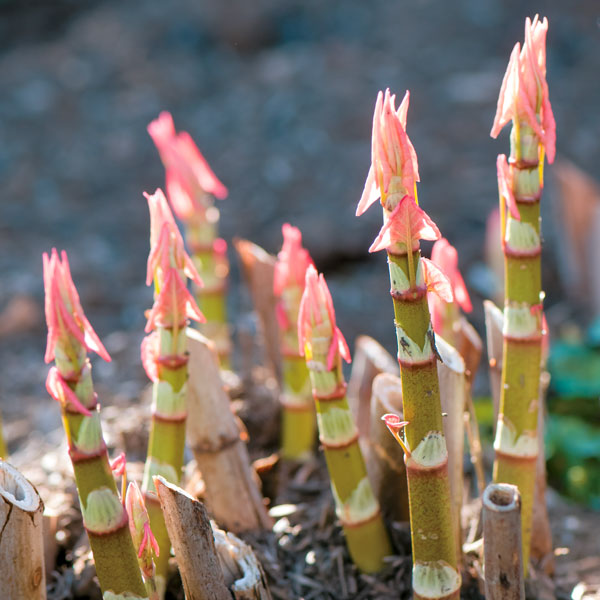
<point>232,494</point>
<point>453,388</point>
<point>385,464</point>
<point>503,561</point>
<point>22,571</point>
<point>193,542</point>
<point>258,266</point>
<point>370,359</point>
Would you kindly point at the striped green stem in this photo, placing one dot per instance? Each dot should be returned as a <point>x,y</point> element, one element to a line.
<point>516,442</point>
<point>298,423</point>
<point>435,563</point>
<point>167,433</point>
<point>104,516</point>
<point>210,258</point>
<point>356,505</point>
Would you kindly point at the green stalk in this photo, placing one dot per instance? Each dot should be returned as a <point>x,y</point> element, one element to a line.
<point>201,233</point>
<point>435,563</point>
<point>167,434</point>
<point>104,516</point>
<point>298,423</point>
<point>356,506</point>
<point>516,435</point>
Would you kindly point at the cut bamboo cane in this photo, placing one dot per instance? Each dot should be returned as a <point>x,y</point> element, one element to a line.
<point>232,494</point>
<point>22,571</point>
<point>193,542</point>
<point>370,359</point>
<point>243,572</point>
<point>385,465</point>
<point>503,560</point>
<point>258,267</point>
<point>453,388</point>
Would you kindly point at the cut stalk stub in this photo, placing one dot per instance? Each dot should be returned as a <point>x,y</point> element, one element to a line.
<point>503,558</point>
<point>22,572</point>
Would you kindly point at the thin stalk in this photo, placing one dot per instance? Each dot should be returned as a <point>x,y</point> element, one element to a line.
<point>104,516</point>
<point>167,433</point>
<point>516,434</point>
<point>356,505</point>
<point>435,570</point>
<point>209,254</point>
<point>298,423</point>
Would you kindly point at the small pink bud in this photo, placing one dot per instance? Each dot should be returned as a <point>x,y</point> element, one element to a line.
<point>119,464</point>
<point>139,527</point>
<point>60,391</point>
<point>405,226</point>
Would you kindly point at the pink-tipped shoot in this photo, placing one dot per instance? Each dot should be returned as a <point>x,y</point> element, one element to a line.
<point>316,311</point>
<point>188,174</point>
<point>524,92</point>
<point>64,316</point>
<point>394,169</point>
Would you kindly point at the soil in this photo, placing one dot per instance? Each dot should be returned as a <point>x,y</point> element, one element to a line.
<point>279,96</point>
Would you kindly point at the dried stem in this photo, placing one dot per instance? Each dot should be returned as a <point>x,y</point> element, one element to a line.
<point>258,267</point>
<point>502,543</point>
<point>193,542</point>
<point>385,464</point>
<point>232,494</point>
<point>370,359</point>
<point>22,574</point>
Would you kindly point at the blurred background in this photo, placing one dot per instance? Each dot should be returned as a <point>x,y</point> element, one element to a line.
<point>279,96</point>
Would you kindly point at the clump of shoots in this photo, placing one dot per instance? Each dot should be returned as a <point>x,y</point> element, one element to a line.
<point>523,100</point>
<point>392,178</point>
<point>323,346</point>
<point>165,357</point>
<point>298,418</point>
<point>191,187</point>
<point>141,533</point>
<point>70,337</point>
